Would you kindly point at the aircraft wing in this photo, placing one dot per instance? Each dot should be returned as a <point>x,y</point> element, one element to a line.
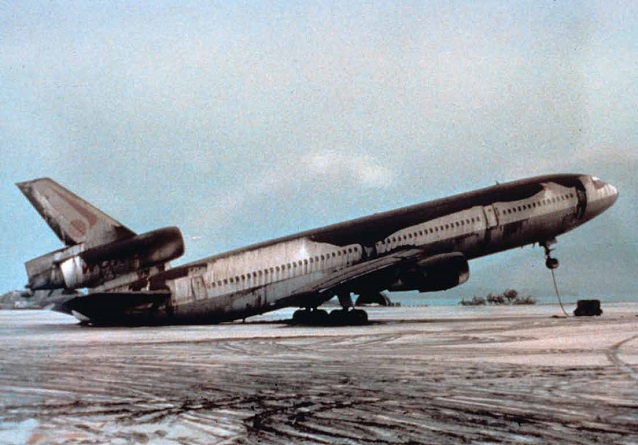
<point>361,275</point>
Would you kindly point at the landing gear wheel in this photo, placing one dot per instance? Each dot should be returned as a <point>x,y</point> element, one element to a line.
<point>310,317</point>
<point>338,317</point>
<point>301,316</point>
<point>550,262</point>
<point>343,317</point>
<point>319,317</point>
<point>358,316</point>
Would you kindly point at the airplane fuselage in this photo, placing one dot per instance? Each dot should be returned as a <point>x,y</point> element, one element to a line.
<point>267,276</point>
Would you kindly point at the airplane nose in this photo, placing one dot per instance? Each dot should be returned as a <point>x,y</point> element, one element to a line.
<point>614,193</point>
<point>601,196</point>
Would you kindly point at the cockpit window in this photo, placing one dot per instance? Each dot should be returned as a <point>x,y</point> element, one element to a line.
<point>597,182</point>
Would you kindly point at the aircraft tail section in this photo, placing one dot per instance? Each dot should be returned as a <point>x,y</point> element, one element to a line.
<point>73,220</point>
<point>100,252</point>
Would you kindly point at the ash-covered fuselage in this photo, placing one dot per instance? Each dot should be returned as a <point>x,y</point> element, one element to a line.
<point>425,247</point>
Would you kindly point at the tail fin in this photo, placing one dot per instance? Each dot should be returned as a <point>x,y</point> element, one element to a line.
<point>72,219</point>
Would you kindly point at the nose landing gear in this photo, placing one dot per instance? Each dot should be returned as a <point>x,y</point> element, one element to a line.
<point>550,262</point>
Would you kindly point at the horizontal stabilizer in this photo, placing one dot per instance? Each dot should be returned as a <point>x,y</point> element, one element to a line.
<point>108,305</point>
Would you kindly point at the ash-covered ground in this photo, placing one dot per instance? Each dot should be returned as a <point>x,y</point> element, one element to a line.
<point>414,375</point>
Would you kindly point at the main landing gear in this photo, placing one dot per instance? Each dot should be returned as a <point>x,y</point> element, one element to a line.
<point>310,316</point>
<point>346,316</point>
<point>337,317</point>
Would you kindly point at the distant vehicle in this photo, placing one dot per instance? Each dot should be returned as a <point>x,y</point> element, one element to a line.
<point>425,247</point>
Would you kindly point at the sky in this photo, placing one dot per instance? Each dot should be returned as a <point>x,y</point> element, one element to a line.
<point>244,121</point>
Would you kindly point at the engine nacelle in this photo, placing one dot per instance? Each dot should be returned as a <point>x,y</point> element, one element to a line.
<point>76,268</point>
<point>439,272</point>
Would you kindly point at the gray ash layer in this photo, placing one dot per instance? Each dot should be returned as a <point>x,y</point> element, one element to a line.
<point>446,376</point>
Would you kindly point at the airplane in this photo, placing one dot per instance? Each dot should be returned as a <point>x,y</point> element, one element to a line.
<point>424,247</point>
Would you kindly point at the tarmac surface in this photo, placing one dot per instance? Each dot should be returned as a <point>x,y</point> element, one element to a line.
<point>444,375</point>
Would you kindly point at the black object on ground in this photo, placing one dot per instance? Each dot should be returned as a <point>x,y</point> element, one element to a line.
<point>587,308</point>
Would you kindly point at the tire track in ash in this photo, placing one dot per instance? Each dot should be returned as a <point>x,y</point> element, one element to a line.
<point>614,357</point>
<point>364,388</point>
<point>273,423</point>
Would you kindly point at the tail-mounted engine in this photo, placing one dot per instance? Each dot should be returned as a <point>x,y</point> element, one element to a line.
<point>76,267</point>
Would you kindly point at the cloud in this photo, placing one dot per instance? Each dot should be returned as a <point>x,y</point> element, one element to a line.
<point>244,121</point>
<point>285,179</point>
<point>361,170</point>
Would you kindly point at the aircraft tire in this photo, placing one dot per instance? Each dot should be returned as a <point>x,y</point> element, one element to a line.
<point>319,317</point>
<point>342,317</point>
<point>551,263</point>
<point>301,316</point>
<point>358,316</point>
<point>310,317</point>
<point>338,317</point>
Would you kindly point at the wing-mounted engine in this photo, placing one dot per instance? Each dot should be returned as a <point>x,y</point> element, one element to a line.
<point>78,267</point>
<point>434,273</point>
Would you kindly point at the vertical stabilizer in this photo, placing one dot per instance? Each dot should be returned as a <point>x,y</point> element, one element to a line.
<point>72,219</point>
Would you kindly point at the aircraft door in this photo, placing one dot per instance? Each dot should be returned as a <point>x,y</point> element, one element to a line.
<point>582,203</point>
<point>199,287</point>
<point>491,217</point>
